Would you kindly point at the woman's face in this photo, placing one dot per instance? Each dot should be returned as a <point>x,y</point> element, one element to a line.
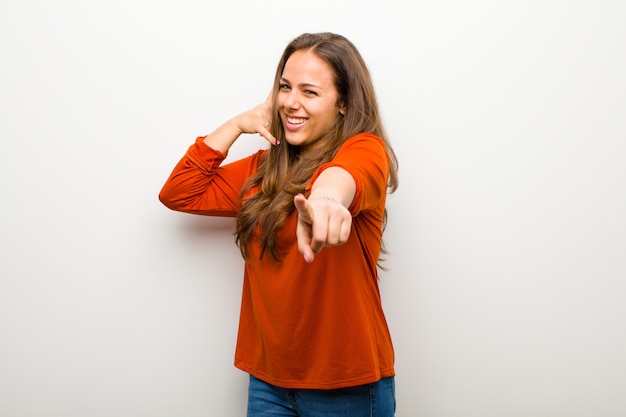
<point>307,99</point>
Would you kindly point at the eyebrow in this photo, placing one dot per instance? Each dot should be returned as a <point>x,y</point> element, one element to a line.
<point>283,79</point>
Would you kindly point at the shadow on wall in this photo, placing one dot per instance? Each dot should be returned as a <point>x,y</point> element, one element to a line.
<point>194,224</point>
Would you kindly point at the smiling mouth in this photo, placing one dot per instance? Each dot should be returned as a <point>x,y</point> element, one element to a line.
<point>296,120</point>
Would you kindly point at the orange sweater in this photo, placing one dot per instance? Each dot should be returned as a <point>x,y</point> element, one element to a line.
<point>318,325</point>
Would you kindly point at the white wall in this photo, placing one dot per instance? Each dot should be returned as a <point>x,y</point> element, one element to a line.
<point>507,283</point>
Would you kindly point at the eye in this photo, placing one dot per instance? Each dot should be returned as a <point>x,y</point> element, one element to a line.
<point>284,87</point>
<point>310,92</point>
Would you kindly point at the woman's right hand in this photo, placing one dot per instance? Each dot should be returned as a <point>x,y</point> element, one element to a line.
<point>257,120</point>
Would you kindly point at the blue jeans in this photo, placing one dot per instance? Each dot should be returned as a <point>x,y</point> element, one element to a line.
<point>369,400</point>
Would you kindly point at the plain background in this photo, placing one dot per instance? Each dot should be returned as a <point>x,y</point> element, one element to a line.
<point>506,286</point>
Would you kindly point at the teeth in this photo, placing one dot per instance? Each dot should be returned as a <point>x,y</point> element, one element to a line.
<point>295,120</point>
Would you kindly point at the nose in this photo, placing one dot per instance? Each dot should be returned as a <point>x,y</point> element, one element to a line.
<point>292,100</point>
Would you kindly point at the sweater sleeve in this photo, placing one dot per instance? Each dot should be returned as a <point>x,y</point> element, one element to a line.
<point>365,158</point>
<point>199,184</point>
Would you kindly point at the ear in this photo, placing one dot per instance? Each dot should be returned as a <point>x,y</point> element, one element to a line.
<point>342,110</point>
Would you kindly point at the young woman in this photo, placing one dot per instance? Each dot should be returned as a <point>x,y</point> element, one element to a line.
<point>310,214</point>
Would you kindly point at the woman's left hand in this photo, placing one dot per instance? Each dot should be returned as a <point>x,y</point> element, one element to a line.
<point>322,222</point>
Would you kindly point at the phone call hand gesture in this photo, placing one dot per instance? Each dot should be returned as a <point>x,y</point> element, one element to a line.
<point>257,120</point>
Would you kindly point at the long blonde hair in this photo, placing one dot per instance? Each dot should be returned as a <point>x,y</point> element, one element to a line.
<point>282,174</point>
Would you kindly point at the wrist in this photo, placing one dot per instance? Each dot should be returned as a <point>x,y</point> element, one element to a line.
<point>326,197</point>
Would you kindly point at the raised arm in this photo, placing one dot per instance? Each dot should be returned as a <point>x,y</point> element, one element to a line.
<point>199,184</point>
